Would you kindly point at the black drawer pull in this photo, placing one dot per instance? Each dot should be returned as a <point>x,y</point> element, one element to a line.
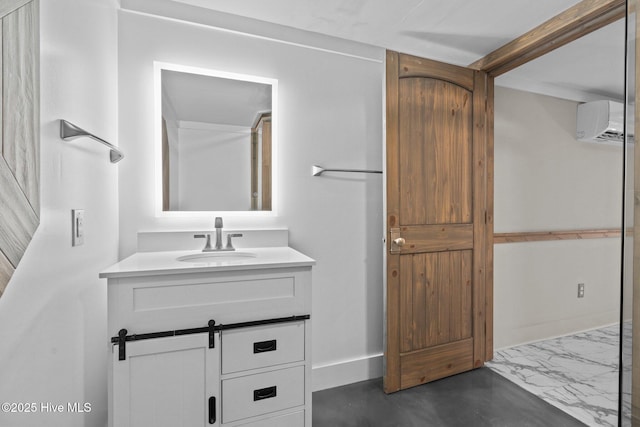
<point>264,393</point>
<point>264,346</point>
<point>212,410</point>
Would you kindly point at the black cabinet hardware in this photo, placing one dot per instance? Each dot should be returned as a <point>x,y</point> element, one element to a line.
<point>264,346</point>
<point>211,328</point>
<point>264,393</point>
<point>212,333</point>
<point>212,410</point>
<point>122,339</point>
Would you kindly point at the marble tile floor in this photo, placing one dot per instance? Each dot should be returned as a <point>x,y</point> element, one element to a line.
<point>577,373</point>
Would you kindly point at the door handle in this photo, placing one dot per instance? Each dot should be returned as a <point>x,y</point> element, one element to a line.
<point>212,410</point>
<point>396,241</point>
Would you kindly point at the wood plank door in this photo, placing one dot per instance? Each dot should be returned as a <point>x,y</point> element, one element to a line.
<point>437,214</point>
<point>19,131</point>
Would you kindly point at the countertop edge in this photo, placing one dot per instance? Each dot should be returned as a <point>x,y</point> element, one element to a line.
<point>194,270</point>
<point>121,270</point>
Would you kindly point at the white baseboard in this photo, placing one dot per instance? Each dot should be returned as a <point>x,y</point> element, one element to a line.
<point>346,372</point>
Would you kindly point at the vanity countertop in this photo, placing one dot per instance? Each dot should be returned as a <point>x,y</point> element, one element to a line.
<point>166,262</point>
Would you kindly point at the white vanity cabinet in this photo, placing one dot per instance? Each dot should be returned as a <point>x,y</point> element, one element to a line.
<point>202,344</point>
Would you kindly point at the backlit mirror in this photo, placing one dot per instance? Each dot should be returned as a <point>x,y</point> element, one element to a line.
<point>216,139</point>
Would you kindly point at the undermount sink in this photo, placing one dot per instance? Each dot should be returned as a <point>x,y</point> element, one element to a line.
<point>217,256</point>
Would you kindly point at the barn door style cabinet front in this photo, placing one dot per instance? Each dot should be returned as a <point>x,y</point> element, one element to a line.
<point>171,381</point>
<point>209,347</point>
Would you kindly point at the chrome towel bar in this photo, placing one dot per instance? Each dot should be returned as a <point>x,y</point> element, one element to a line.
<point>70,131</point>
<point>318,170</point>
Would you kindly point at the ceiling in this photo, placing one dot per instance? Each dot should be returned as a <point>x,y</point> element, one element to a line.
<point>458,32</point>
<point>212,99</point>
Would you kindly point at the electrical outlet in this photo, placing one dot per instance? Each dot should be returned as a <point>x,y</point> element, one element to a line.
<point>580,290</point>
<point>77,227</point>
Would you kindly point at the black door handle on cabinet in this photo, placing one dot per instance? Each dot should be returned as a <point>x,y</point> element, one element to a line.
<point>264,346</point>
<point>264,393</point>
<point>212,410</point>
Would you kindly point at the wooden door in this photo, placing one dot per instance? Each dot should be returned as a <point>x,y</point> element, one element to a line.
<point>437,214</point>
<point>19,132</point>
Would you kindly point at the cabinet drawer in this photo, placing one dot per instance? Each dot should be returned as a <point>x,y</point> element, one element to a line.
<point>262,346</point>
<point>252,395</point>
<point>295,419</point>
<point>155,303</point>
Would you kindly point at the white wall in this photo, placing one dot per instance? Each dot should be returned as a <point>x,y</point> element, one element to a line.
<point>330,107</point>
<point>53,313</point>
<point>546,180</point>
<point>215,167</point>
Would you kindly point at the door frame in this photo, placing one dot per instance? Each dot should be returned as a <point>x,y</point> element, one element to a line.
<point>577,21</point>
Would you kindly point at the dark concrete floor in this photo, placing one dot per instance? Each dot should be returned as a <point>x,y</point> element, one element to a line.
<point>479,398</point>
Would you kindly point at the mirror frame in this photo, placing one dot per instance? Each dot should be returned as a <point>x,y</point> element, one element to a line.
<point>157,139</point>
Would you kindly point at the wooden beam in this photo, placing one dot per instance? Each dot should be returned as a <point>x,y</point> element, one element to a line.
<point>575,22</point>
<point>539,236</point>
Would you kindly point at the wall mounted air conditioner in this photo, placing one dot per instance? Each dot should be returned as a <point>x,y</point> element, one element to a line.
<point>601,122</point>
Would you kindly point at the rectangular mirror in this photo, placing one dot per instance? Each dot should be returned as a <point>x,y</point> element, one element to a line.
<point>216,141</point>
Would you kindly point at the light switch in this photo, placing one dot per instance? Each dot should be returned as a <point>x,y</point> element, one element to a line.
<point>77,227</point>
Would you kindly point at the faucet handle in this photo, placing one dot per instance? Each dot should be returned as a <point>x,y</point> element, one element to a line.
<point>218,222</point>
<point>229,244</point>
<point>207,245</point>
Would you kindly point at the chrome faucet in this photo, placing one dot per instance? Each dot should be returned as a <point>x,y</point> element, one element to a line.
<point>218,225</point>
<point>218,245</point>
